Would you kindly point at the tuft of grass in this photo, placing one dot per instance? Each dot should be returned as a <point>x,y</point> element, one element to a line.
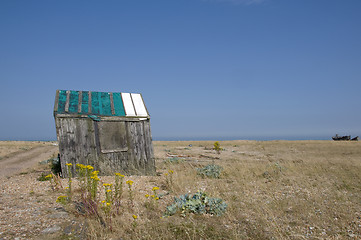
<point>174,160</point>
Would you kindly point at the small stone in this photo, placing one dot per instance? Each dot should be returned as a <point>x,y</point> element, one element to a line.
<point>59,215</point>
<point>34,223</point>
<point>51,229</point>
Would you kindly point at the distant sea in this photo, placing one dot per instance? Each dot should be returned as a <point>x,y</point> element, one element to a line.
<point>210,138</point>
<point>258,138</point>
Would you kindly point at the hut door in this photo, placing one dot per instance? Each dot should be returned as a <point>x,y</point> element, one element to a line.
<point>112,137</point>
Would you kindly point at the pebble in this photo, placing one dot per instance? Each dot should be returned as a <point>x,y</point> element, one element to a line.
<point>59,215</point>
<point>51,229</point>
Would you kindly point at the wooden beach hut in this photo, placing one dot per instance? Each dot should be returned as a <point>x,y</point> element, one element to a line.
<point>110,131</point>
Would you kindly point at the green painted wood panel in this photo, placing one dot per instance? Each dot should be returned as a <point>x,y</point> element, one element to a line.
<point>85,102</point>
<point>118,105</point>
<point>100,104</point>
<point>106,108</point>
<point>62,101</point>
<point>96,103</point>
<point>73,102</point>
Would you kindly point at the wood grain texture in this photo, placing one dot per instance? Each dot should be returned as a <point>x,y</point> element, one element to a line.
<point>127,145</point>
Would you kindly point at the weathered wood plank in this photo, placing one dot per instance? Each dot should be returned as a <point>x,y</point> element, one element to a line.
<point>67,101</point>
<point>76,142</point>
<point>80,96</point>
<point>80,141</point>
<point>56,101</point>
<point>112,103</point>
<point>148,144</point>
<point>105,118</point>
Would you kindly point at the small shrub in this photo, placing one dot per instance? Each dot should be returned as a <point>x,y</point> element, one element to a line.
<point>44,177</point>
<point>174,160</point>
<point>273,171</point>
<point>55,165</point>
<point>199,203</point>
<point>211,171</point>
<point>169,179</point>
<point>217,147</point>
<point>63,200</point>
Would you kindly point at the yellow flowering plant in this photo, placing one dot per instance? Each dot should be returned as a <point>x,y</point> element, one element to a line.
<point>130,183</point>
<point>70,175</point>
<point>94,184</point>
<point>217,147</point>
<point>81,169</point>
<point>118,188</point>
<point>108,192</point>
<point>62,199</point>
<point>152,200</point>
<point>155,195</point>
<point>50,178</point>
<point>134,221</point>
<point>88,177</point>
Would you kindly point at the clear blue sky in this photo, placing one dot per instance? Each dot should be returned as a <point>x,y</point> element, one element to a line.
<point>206,68</point>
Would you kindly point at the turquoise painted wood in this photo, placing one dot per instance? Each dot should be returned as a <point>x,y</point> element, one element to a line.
<point>73,102</point>
<point>62,101</point>
<point>85,102</point>
<point>98,104</point>
<point>118,105</point>
<point>95,103</point>
<point>106,107</point>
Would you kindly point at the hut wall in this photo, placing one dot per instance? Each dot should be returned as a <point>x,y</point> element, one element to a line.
<point>110,146</point>
<point>77,144</point>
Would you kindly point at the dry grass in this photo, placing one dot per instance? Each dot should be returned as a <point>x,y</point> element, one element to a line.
<point>275,189</point>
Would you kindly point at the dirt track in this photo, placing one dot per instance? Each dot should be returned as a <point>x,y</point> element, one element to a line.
<point>20,161</point>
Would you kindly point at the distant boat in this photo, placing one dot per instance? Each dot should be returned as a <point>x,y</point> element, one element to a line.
<point>344,138</point>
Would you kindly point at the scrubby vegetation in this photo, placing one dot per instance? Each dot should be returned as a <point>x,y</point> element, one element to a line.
<point>256,190</point>
<point>211,171</point>
<point>198,203</point>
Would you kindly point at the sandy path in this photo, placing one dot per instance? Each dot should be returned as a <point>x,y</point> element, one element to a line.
<point>19,162</point>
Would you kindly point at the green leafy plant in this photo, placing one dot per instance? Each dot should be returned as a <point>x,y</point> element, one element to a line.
<point>198,203</point>
<point>210,171</point>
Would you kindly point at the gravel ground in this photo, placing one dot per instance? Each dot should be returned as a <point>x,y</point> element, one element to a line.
<point>28,208</point>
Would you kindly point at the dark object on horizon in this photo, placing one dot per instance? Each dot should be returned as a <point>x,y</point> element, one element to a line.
<point>110,131</point>
<point>344,138</point>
